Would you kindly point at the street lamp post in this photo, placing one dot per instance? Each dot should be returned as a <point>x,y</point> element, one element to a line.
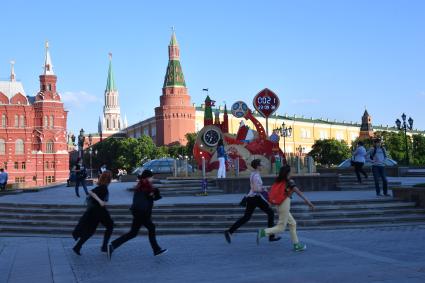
<point>91,152</point>
<point>284,132</point>
<point>403,125</point>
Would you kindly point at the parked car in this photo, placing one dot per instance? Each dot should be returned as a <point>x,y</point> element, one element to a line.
<point>162,166</point>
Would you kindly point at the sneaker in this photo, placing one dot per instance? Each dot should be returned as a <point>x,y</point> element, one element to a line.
<point>228,236</point>
<point>260,234</point>
<point>109,251</point>
<point>160,252</point>
<point>379,195</point>
<point>299,247</point>
<point>274,239</point>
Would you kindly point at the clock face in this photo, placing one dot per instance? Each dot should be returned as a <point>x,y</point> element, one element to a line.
<point>211,137</point>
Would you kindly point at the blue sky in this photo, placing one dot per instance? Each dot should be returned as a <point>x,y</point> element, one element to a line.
<point>324,58</point>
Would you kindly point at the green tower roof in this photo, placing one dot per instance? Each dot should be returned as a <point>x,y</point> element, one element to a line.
<point>110,83</point>
<point>173,41</point>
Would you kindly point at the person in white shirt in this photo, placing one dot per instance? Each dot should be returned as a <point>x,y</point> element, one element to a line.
<point>359,159</point>
<point>378,155</point>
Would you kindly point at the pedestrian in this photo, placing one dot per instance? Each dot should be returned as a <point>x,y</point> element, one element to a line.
<point>254,199</point>
<point>280,195</point>
<point>3,179</point>
<point>95,213</point>
<point>378,156</point>
<point>80,178</point>
<point>141,208</point>
<point>359,159</point>
<point>221,156</point>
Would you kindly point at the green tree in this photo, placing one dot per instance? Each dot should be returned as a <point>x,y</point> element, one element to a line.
<point>330,152</point>
<point>191,139</point>
<point>418,149</point>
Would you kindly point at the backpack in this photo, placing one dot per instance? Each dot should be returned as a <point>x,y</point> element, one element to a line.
<point>277,193</point>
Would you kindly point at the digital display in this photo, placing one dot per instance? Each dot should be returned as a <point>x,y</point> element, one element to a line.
<point>266,102</point>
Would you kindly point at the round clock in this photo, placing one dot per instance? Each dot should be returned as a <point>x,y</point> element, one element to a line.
<point>211,137</point>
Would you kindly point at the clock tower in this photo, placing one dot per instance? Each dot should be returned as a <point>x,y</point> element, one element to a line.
<point>175,117</point>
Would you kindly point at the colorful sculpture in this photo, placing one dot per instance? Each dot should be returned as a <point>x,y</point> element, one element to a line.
<point>246,145</point>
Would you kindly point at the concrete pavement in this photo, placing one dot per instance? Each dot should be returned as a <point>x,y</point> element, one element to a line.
<point>361,255</point>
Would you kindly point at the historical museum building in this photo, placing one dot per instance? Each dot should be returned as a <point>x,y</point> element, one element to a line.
<point>33,146</point>
<point>176,116</point>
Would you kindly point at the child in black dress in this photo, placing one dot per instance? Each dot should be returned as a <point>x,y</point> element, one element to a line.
<point>96,213</point>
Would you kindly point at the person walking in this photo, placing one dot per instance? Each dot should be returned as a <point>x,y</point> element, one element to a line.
<point>80,178</point>
<point>280,195</point>
<point>95,213</point>
<point>378,156</point>
<point>254,199</point>
<point>3,179</point>
<point>359,159</point>
<point>143,198</point>
<point>221,156</point>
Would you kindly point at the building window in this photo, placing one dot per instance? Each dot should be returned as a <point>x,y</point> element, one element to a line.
<point>113,123</point>
<point>22,121</point>
<point>49,179</point>
<point>2,146</point>
<point>5,165</point>
<point>339,136</point>
<point>49,87</point>
<point>49,146</point>
<point>153,131</point>
<point>46,121</point>
<point>16,166</point>
<point>19,146</point>
<point>51,121</point>
<point>107,123</point>
<point>47,165</point>
<point>16,121</point>
<point>20,180</point>
<point>53,165</point>
<point>146,131</point>
<point>3,121</point>
<point>23,166</point>
<point>323,135</point>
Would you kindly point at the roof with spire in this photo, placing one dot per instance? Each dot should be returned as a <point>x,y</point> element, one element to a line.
<point>110,82</point>
<point>174,76</point>
<point>12,86</point>
<point>48,66</point>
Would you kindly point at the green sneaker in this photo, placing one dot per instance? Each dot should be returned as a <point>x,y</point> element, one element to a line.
<point>299,247</point>
<point>260,234</point>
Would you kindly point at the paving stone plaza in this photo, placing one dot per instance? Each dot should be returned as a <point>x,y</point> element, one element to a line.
<point>393,253</point>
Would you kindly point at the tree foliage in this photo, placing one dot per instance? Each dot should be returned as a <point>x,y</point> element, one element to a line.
<point>128,153</point>
<point>330,152</point>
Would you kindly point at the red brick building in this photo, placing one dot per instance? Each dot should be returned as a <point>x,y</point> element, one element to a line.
<point>33,147</point>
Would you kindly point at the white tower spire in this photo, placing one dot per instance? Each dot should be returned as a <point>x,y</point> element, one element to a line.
<point>12,71</point>
<point>48,67</point>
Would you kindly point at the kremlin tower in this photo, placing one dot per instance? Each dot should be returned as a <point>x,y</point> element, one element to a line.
<point>175,116</point>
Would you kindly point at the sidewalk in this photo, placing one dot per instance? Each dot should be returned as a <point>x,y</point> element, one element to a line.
<point>349,256</point>
<point>120,195</point>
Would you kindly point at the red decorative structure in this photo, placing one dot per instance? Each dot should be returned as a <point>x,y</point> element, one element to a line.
<point>246,145</point>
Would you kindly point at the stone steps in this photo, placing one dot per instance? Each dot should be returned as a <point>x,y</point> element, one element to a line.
<point>57,219</point>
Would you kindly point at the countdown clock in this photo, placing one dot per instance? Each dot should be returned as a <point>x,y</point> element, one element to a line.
<point>266,102</point>
<point>211,137</point>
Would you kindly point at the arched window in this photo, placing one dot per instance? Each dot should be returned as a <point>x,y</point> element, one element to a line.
<point>22,121</point>
<point>16,121</point>
<point>46,121</point>
<point>3,121</point>
<point>113,123</point>
<point>19,146</point>
<point>49,146</point>
<point>2,146</point>
<point>107,123</point>
<point>51,121</point>
<point>36,146</point>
